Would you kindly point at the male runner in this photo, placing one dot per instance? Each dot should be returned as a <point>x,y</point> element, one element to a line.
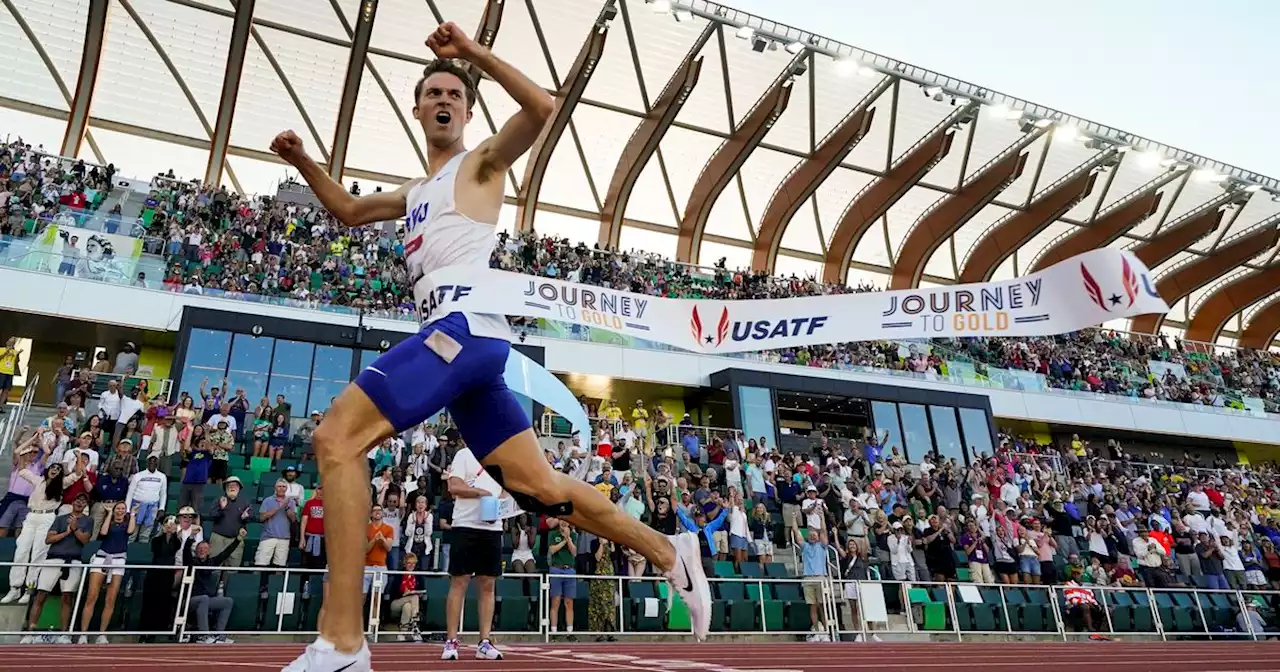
<point>457,360</point>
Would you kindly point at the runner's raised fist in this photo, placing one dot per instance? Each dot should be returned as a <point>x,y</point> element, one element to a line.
<point>289,146</point>
<point>449,41</point>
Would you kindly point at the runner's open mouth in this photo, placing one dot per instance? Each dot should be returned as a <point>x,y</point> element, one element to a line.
<point>443,117</point>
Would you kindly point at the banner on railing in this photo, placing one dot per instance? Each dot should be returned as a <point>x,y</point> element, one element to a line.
<point>1084,291</point>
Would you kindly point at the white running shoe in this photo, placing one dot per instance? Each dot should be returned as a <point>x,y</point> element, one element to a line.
<point>487,651</point>
<point>84,639</point>
<point>320,656</point>
<point>688,579</point>
<point>63,639</point>
<point>102,639</point>
<point>450,650</point>
<point>27,639</point>
<point>25,599</point>
<point>11,596</point>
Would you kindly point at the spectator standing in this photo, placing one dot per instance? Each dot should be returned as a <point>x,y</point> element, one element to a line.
<point>196,476</point>
<point>109,407</point>
<point>1232,563</point>
<point>977,549</point>
<point>475,550</point>
<point>107,566</point>
<point>561,560</point>
<point>813,554</point>
<point>276,514</point>
<point>159,599</point>
<point>28,454</point>
<point>228,519</point>
<point>131,407</point>
<point>1211,563</point>
<point>61,380</point>
<point>379,538</point>
<point>311,537</point>
<point>148,492</point>
<point>221,442</point>
<point>67,538</point>
<point>417,529</point>
<point>32,545</point>
<point>901,562</point>
<point>9,356</point>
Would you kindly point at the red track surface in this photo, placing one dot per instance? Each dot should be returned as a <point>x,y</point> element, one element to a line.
<point>712,657</point>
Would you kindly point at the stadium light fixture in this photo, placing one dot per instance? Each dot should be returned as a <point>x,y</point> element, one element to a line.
<point>1253,188</point>
<point>1208,175</point>
<point>1065,133</point>
<point>758,45</point>
<point>933,91</point>
<point>1043,123</point>
<point>660,6</point>
<point>1150,159</point>
<point>795,48</point>
<point>745,33</point>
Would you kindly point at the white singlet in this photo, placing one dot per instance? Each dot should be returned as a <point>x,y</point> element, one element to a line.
<point>438,236</point>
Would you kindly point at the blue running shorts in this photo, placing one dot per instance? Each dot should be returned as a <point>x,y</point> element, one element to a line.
<point>412,382</point>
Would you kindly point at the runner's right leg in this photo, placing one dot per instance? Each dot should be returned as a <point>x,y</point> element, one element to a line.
<point>352,426</point>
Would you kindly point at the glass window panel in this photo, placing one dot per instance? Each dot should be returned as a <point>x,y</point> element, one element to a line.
<point>330,372</point>
<point>207,352</point>
<point>915,430</point>
<point>137,87</point>
<point>250,364</point>
<point>755,407</point>
<point>977,430</point>
<point>947,432</point>
<point>884,416</point>
<point>291,373</point>
<point>367,358</point>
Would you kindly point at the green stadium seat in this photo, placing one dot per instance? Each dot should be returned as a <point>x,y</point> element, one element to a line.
<point>751,570</point>
<point>723,569</point>
<point>433,613</point>
<point>777,570</point>
<point>718,615</point>
<point>742,615</point>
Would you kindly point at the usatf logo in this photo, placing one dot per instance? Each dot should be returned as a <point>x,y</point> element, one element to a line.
<point>1127,278</point>
<point>711,341</point>
<point>751,330</point>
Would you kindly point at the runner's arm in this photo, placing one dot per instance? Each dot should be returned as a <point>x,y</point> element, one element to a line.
<point>521,130</point>
<point>348,209</point>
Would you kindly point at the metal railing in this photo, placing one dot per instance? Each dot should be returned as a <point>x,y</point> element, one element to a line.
<point>16,413</point>
<point>284,602</point>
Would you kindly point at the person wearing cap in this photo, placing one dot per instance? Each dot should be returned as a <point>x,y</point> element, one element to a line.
<point>10,353</point>
<point>66,538</point>
<point>308,429</point>
<point>126,360</point>
<point>1150,555</point>
<point>148,491</point>
<point>28,455</point>
<point>109,407</point>
<point>164,442</point>
<point>61,417</point>
<point>84,445</point>
<point>814,511</point>
<point>131,406</point>
<point>230,514</point>
<point>221,442</point>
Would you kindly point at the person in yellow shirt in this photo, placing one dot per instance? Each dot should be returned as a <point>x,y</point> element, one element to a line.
<point>640,423</point>
<point>612,412</point>
<point>1077,446</point>
<point>9,355</point>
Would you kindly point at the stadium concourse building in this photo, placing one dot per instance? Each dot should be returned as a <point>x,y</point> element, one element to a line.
<point>685,129</point>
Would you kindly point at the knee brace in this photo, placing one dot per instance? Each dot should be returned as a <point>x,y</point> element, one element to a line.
<point>528,502</point>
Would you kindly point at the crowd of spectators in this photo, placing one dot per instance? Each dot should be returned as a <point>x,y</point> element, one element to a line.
<point>212,240</point>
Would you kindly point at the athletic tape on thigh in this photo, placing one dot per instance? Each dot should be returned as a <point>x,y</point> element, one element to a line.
<point>526,377</point>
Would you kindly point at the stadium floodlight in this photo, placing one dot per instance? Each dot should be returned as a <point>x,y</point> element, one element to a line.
<point>746,33</point>
<point>1150,159</point>
<point>1208,175</point>
<point>1065,133</point>
<point>1043,123</point>
<point>795,47</point>
<point>934,91</point>
<point>660,6</point>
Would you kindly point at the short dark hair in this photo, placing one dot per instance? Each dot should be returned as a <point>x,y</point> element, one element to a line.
<point>452,67</point>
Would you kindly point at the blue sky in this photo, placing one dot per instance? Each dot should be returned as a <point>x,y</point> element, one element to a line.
<point>1201,76</point>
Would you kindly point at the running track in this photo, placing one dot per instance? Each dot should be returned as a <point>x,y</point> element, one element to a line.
<point>711,657</point>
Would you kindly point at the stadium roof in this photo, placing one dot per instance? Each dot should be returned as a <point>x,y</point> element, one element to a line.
<point>684,128</point>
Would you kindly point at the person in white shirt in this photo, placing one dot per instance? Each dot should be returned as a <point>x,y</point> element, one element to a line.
<point>476,549</point>
<point>900,560</point>
<point>109,407</point>
<point>84,445</point>
<point>1197,499</point>
<point>739,532</point>
<point>1196,521</point>
<point>148,490</point>
<point>1009,492</point>
<point>129,407</point>
<point>1150,555</point>
<point>1232,564</point>
<point>813,509</point>
<point>223,415</point>
<point>418,461</point>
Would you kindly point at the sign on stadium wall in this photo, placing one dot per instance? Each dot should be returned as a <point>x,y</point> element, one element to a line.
<point>1083,291</point>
